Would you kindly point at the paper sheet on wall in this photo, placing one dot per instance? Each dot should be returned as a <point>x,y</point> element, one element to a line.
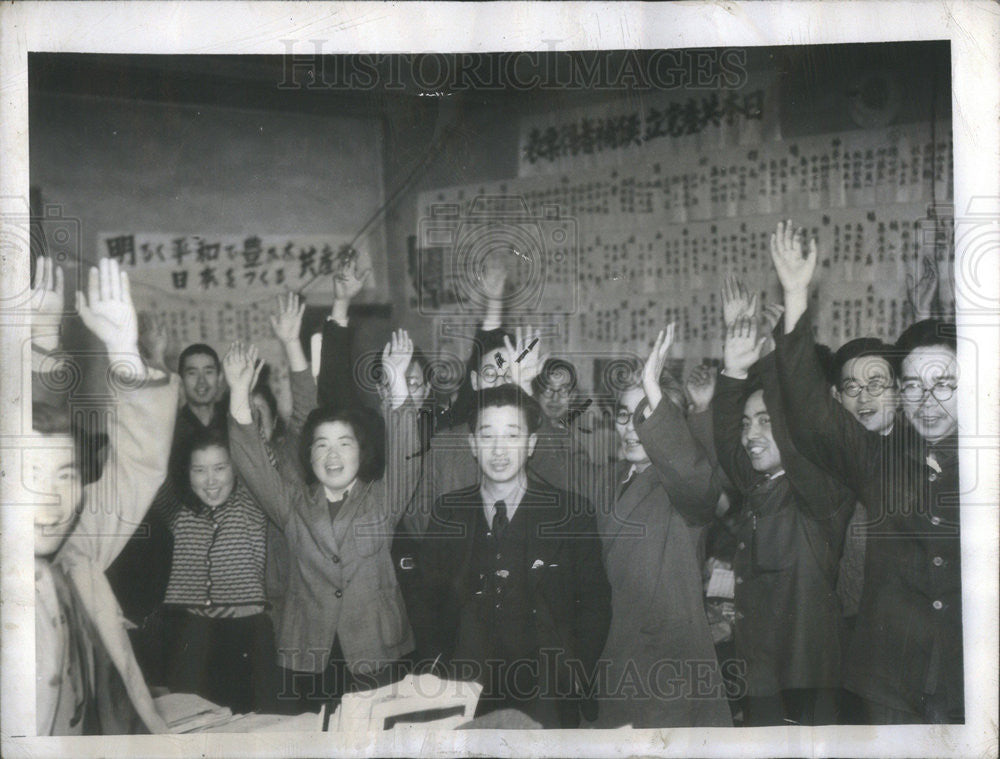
<point>614,254</point>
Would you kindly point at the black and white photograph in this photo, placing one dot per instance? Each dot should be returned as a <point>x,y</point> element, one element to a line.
<point>437,379</point>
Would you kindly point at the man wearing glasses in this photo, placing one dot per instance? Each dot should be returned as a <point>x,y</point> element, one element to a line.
<point>905,659</point>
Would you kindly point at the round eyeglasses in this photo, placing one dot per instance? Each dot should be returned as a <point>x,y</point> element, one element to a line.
<point>914,391</point>
<point>875,388</point>
<point>623,416</point>
<point>489,374</point>
<point>552,392</point>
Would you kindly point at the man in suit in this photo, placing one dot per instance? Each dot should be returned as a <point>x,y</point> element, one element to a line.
<point>513,589</point>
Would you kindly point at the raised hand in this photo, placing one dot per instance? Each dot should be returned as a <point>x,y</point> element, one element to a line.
<point>742,347</point>
<point>347,283</point>
<point>526,358</point>
<point>699,387</point>
<point>795,270</point>
<point>107,310</point>
<point>241,365</point>
<point>922,294</point>
<point>494,277</point>
<point>286,321</point>
<point>48,294</point>
<point>653,368</point>
<point>736,300</point>
<point>795,265</point>
<point>153,338</point>
<point>396,357</point>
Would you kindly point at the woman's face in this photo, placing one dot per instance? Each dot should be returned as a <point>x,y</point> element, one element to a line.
<point>212,477</point>
<point>262,413</point>
<point>335,455</point>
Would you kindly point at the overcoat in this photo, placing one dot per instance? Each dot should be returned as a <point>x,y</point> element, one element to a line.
<point>651,540</point>
<point>907,641</point>
<point>789,623</point>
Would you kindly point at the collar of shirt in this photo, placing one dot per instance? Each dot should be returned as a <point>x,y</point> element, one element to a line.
<point>513,500</point>
<point>632,472</point>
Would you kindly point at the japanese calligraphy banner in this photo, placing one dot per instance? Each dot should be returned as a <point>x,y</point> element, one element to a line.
<point>584,138</point>
<point>229,266</point>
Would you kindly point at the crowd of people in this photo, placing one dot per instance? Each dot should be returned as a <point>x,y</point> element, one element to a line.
<point>512,532</point>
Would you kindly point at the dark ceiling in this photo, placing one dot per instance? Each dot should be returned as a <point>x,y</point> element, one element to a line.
<point>318,84</point>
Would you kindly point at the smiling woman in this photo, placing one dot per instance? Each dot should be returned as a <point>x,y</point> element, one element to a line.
<point>344,624</point>
<point>215,597</point>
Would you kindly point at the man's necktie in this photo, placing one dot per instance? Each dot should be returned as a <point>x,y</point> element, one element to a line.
<point>499,518</point>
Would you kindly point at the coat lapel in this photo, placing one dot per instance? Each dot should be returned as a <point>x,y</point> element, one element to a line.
<point>345,517</point>
<point>628,501</point>
<point>96,596</point>
<point>543,512</point>
<point>319,522</point>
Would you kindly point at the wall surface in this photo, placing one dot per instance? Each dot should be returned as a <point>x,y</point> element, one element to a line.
<point>190,169</point>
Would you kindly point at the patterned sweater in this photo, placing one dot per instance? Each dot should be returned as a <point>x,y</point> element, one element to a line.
<point>219,554</point>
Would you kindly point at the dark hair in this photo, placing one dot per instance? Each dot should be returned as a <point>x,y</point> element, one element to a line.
<point>198,349</point>
<point>90,445</point>
<point>507,395</point>
<point>486,343</point>
<point>859,348</point>
<point>363,422</point>
<point>420,359</point>
<point>263,389</point>
<point>210,437</point>
<point>924,334</point>
<point>551,368</point>
<point>48,419</point>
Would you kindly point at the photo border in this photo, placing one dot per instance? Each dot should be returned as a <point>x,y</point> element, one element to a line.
<point>266,27</point>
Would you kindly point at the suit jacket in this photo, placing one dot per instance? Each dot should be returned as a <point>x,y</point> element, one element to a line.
<point>341,581</point>
<point>652,540</point>
<point>791,531</point>
<point>571,599</point>
<point>907,640</point>
<point>114,506</point>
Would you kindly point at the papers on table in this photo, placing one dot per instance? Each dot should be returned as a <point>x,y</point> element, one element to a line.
<point>188,713</point>
<point>416,702</point>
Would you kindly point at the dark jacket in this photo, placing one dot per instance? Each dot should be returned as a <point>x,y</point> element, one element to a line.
<point>790,534</point>
<point>567,589</point>
<point>285,448</point>
<point>651,542</point>
<point>908,635</point>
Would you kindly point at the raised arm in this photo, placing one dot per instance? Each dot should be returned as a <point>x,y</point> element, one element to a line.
<point>740,351</point>
<point>923,294</point>
<point>140,426</point>
<point>526,357</point>
<point>821,429</point>
<point>337,387</point>
<point>819,492</point>
<point>287,325</point>
<point>684,468</point>
<point>48,361</point>
<point>403,462</point>
<point>493,280</point>
<point>277,496</point>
